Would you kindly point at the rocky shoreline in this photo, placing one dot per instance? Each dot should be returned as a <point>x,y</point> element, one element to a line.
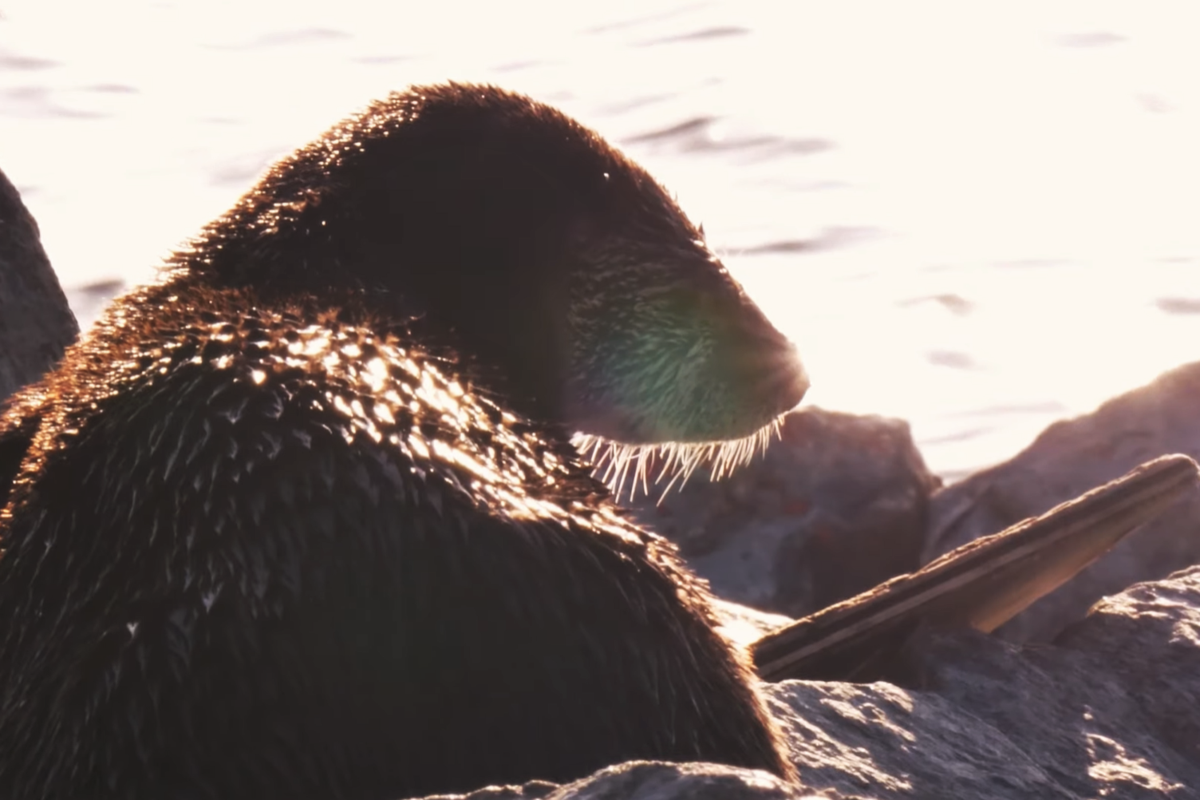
<point>1061,702</point>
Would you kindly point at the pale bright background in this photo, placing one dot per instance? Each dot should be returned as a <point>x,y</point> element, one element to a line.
<point>980,217</point>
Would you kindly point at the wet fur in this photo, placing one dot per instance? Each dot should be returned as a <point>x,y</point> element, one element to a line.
<point>280,530</point>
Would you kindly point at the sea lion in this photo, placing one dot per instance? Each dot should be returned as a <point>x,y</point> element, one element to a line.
<point>302,520</point>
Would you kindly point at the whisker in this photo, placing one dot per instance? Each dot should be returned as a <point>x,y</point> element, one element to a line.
<point>617,464</point>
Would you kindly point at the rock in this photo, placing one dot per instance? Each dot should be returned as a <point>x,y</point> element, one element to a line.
<point>1110,711</point>
<point>651,780</point>
<point>1066,459</point>
<point>1149,635</point>
<point>880,741</point>
<point>36,323</point>
<point>837,505</point>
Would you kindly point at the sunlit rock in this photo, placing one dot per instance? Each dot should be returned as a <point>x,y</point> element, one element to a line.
<point>1105,713</point>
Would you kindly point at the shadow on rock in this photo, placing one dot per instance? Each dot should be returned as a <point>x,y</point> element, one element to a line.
<point>36,324</point>
<point>838,505</point>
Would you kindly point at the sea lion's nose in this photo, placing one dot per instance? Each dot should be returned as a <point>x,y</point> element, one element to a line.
<point>797,383</point>
<point>787,380</point>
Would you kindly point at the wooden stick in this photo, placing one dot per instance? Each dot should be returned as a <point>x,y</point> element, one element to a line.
<point>982,584</point>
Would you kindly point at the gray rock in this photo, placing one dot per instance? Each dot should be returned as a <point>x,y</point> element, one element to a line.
<point>1067,459</point>
<point>836,506</point>
<point>36,323</point>
<point>1107,712</point>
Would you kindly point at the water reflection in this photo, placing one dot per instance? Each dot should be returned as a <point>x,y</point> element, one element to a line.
<point>996,212</point>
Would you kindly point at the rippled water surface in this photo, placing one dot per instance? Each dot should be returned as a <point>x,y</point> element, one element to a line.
<point>979,218</point>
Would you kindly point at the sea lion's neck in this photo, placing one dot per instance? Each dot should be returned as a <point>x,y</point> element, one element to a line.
<point>497,339</point>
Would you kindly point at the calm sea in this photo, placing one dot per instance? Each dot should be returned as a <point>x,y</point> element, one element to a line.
<point>978,217</point>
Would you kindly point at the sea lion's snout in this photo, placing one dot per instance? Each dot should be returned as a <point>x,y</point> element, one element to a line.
<point>760,370</point>
<point>685,357</point>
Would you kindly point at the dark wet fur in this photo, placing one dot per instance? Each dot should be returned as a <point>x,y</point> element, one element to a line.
<point>284,530</point>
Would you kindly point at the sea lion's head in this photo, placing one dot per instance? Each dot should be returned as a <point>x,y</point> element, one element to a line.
<point>553,262</point>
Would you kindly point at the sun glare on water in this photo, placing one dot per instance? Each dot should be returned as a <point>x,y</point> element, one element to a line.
<point>980,219</point>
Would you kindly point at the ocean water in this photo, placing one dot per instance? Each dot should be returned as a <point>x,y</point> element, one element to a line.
<point>980,218</point>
